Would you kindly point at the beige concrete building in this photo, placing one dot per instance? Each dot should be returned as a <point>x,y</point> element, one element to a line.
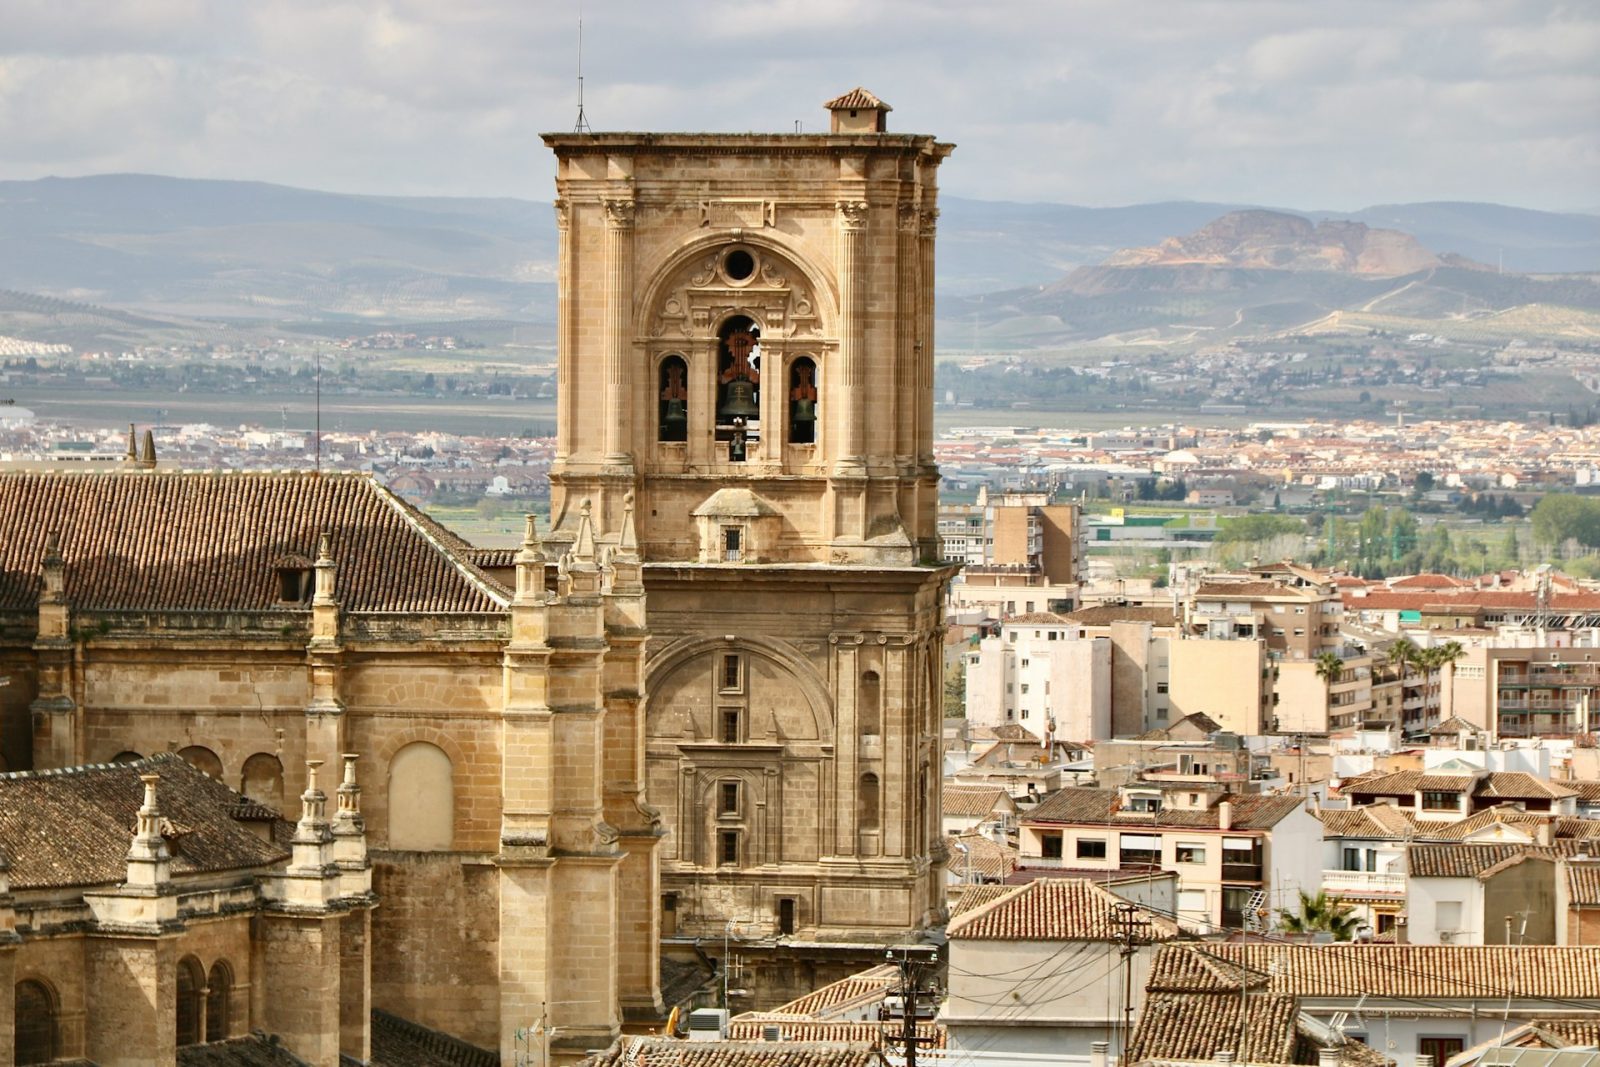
<point>746,351</point>
<point>1042,673</point>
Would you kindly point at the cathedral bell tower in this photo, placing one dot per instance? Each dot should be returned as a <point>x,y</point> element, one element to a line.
<point>745,346</point>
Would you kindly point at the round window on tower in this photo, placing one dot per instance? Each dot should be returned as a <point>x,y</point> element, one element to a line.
<point>739,265</point>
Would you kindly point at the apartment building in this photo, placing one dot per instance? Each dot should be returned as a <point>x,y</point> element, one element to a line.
<point>1043,673</point>
<point>1021,553</point>
<point>1543,690</point>
<point>1235,854</point>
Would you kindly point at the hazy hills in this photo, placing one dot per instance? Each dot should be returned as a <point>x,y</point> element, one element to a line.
<point>183,249</point>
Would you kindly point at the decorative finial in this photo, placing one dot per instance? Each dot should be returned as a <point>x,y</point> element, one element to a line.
<point>628,543</point>
<point>583,544</point>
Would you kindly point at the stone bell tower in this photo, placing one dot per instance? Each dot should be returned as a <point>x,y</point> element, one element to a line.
<point>746,346</point>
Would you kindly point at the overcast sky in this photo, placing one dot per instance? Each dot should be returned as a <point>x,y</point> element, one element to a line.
<point>1333,104</point>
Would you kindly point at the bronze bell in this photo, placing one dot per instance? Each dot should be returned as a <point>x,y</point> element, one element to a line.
<point>803,410</point>
<point>676,416</point>
<point>739,402</point>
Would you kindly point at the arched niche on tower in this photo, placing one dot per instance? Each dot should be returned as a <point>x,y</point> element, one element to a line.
<point>694,685</point>
<point>737,307</point>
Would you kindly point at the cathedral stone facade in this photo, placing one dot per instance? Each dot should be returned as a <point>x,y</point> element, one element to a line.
<point>560,779</point>
<point>746,355</point>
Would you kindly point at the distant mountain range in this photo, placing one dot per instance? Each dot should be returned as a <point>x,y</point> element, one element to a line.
<point>170,247</point>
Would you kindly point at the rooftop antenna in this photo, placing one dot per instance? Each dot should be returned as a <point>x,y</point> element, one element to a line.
<point>583,122</point>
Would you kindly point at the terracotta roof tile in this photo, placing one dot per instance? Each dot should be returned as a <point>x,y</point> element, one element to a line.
<point>254,1050</point>
<point>1583,884</point>
<point>972,801</point>
<point>856,98</point>
<point>73,827</point>
<point>398,1042</point>
<point>983,857</point>
<point>1099,807</point>
<point>864,987</point>
<point>1472,860</point>
<point>1518,785</point>
<point>668,1052</point>
<point>1106,614</point>
<point>211,541</point>
<point>873,1034</point>
<point>1181,1025</point>
<point>976,896</point>
<point>1407,971</point>
<point>1054,910</point>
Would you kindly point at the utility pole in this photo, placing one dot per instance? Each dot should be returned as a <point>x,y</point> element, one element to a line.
<point>910,976</point>
<point>1129,924</point>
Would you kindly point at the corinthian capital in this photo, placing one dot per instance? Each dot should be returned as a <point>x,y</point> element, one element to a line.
<point>930,222</point>
<point>563,214</point>
<point>852,214</point>
<point>619,213</point>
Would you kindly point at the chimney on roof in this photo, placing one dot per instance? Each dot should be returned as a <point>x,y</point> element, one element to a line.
<point>1097,1053</point>
<point>1328,1057</point>
<point>1424,1060</point>
<point>1544,833</point>
<point>1225,815</point>
<point>1224,1055</point>
<point>147,458</point>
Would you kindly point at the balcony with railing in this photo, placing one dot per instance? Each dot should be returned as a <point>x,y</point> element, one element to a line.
<point>1241,872</point>
<point>1364,882</point>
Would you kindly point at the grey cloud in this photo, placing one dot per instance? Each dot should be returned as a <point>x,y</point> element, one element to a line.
<point>1093,101</point>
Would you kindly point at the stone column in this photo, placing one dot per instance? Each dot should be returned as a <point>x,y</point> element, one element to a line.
<point>638,823</point>
<point>566,358</point>
<point>927,517</point>
<point>846,686</point>
<point>8,965</point>
<point>325,718</point>
<point>850,408</point>
<point>908,389</point>
<point>618,328</point>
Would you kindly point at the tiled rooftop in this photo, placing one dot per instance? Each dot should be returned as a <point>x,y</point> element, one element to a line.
<point>1055,910</point>
<point>212,541</point>
<point>1099,807</point>
<point>73,827</point>
<point>668,1052</point>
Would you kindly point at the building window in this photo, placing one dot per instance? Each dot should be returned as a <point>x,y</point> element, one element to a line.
<point>219,984</point>
<point>35,1016</point>
<point>1440,801</point>
<point>1025,662</point>
<point>1024,713</point>
<point>728,848</point>
<point>867,810</point>
<point>1024,684</point>
<point>1091,848</point>
<point>1050,846</point>
<point>294,585</point>
<point>730,726</point>
<point>732,673</point>
<point>1440,1048</point>
<point>1161,687</point>
<point>1190,853</point>
<point>803,399</point>
<point>672,403</point>
<point>869,715</point>
<point>732,542</point>
<point>728,798</point>
<point>1140,854</point>
<point>786,916</point>
<point>190,1001</point>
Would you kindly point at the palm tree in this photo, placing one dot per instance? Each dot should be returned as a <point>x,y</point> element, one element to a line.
<point>1329,667</point>
<point>1445,656</point>
<point>1321,913</point>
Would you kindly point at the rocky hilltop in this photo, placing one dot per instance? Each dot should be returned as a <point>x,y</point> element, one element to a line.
<point>1274,240</point>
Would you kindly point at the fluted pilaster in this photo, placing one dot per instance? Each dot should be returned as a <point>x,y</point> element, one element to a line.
<point>619,326</point>
<point>852,332</point>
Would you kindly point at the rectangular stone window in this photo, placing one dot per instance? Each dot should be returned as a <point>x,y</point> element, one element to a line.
<point>731,674</point>
<point>786,916</point>
<point>728,848</point>
<point>730,726</point>
<point>732,542</point>
<point>729,794</point>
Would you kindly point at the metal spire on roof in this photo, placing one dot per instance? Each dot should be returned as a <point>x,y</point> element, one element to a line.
<point>582,125</point>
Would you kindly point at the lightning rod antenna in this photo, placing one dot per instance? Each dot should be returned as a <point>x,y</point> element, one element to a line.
<point>583,122</point>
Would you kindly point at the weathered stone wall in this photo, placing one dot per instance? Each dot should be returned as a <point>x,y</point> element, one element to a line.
<point>435,941</point>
